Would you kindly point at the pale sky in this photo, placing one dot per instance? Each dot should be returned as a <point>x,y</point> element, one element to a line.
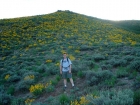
<point>103,9</point>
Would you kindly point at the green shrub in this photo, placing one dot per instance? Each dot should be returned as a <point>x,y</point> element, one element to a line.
<point>7,73</point>
<point>93,78</point>
<point>113,97</point>
<point>64,99</point>
<point>51,69</point>
<point>2,81</point>
<point>17,101</point>
<point>90,64</point>
<point>54,82</point>
<point>30,73</point>
<point>90,74</point>
<point>103,75</point>
<point>138,78</point>
<point>42,68</point>
<point>135,51</point>
<point>123,62</point>
<point>117,62</point>
<point>53,57</point>
<point>111,82</point>
<point>127,52</point>
<point>58,78</point>
<point>24,85</point>
<point>82,65</point>
<point>137,97</point>
<point>80,74</point>
<point>93,81</point>
<point>2,88</point>
<point>11,90</point>
<point>135,65</point>
<point>50,88</point>
<point>21,72</point>
<point>129,58</point>
<point>98,57</point>
<point>113,62</point>
<point>14,78</point>
<point>120,62</point>
<point>85,48</point>
<point>136,84</point>
<point>51,100</point>
<point>96,67</point>
<point>5,98</point>
<point>122,72</point>
<point>106,66</point>
<point>134,73</point>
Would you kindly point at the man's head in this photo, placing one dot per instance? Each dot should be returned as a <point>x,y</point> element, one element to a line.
<point>64,54</point>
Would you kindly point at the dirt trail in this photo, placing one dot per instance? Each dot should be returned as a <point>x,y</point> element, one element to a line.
<point>59,89</point>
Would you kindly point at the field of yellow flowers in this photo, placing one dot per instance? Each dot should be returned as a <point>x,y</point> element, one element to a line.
<point>104,57</point>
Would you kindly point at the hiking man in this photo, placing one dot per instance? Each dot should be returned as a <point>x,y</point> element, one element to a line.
<point>65,70</point>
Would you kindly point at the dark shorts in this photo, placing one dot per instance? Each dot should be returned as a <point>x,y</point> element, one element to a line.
<point>66,75</point>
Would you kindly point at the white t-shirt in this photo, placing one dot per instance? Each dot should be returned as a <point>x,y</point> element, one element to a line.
<point>65,65</point>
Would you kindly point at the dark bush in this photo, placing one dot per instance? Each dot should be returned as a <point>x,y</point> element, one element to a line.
<point>92,81</point>
<point>5,99</point>
<point>64,99</point>
<point>85,48</point>
<point>136,97</point>
<point>129,58</point>
<point>93,78</point>
<point>112,97</point>
<point>106,67</point>
<point>110,82</point>
<point>2,88</point>
<point>80,74</point>
<point>98,57</point>
<point>117,62</point>
<point>14,78</point>
<point>50,88</point>
<point>122,72</point>
<point>79,66</point>
<point>17,101</point>
<point>11,90</point>
<point>42,68</point>
<point>105,74</point>
<point>136,84</point>
<point>135,65</point>
<point>24,85</point>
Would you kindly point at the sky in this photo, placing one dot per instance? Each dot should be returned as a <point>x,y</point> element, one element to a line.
<point>103,9</point>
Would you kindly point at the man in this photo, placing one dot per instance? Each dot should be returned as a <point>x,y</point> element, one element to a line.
<point>65,70</point>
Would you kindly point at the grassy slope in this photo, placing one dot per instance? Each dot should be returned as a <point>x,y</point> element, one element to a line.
<point>129,25</point>
<point>33,45</point>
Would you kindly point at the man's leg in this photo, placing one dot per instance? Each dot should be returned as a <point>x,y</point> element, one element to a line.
<point>65,82</point>
<point>71,80</point>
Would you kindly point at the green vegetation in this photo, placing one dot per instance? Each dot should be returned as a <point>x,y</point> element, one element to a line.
<point>130,25</point>
<point>104,55</point>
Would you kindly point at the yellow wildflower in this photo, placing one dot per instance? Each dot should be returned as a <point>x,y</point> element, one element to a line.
<point>49,61</point>
<point>29,101</point>
<point>7,76</point>
<point>29,77</point>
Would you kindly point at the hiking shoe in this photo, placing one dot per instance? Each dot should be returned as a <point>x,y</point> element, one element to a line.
<point>64,88</point>
<point>73,87</point>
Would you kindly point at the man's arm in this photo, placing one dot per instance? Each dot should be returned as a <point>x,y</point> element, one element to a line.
<point>70,69</point>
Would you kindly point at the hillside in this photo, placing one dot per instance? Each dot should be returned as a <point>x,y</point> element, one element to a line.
<point>129,25</point>
<point>105,61</point>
